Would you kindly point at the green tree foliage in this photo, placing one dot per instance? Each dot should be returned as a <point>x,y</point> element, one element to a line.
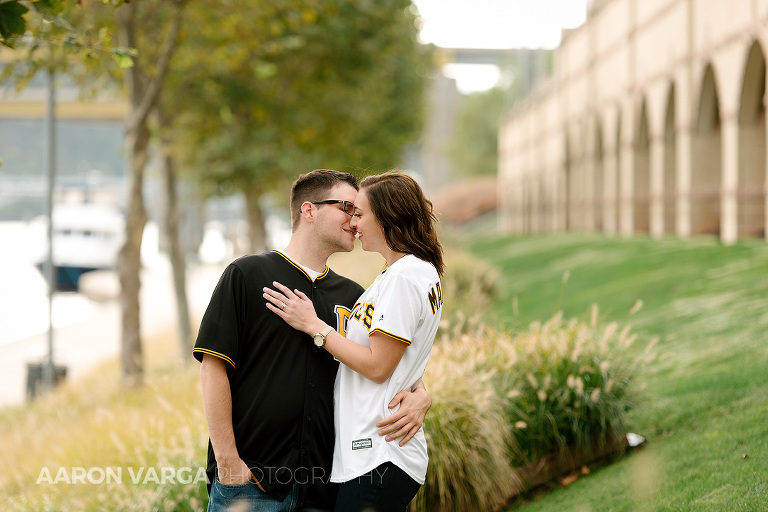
<point>278,88</point>
<point>14,13</point>
<point>21,20</point>
<point>73,38</point>
<point>474,148</point>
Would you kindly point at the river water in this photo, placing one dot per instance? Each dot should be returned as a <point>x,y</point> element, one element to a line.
<point>24,292</point>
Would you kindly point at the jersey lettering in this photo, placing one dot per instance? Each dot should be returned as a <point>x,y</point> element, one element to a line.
<point>435,297</point>
<point>357,313</point>
<point>368,315</point>
<point>342,317</point>
<point>363,313</point>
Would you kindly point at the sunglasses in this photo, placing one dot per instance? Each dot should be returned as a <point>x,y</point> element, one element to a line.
<point>347,206</point>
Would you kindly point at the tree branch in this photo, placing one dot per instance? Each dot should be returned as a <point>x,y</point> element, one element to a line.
<point>153,88</point>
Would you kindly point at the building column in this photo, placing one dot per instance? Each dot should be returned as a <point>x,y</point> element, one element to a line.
<point>588,189</point>
<point>684,104</point>
<point>683,199</point>
<point>626,169</point>
<point>534,209</point>
<point>610,198</point>
<point>657,186</point>
<point>729,229</point>
<point>576,215</point>
<point>552,179</point>
<point>560,179</point>
<point>765,180</point>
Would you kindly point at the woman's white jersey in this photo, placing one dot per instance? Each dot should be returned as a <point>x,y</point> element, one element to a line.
<point>404,302</point>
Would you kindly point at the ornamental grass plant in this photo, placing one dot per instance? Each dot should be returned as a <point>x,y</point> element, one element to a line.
<point>572,385</point>
<point>468,436</point>
<point>504,400</point>
<point>89,445</point>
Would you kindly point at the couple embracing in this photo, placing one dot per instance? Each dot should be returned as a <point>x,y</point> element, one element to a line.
<point>312,385</point>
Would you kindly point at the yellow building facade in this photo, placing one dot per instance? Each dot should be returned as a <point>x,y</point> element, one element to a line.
<point>652,123</point>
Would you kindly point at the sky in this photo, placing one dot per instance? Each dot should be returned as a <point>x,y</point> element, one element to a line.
<point>497,24</point>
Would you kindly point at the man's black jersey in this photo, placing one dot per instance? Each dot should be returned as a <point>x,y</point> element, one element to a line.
<point>282,385</point>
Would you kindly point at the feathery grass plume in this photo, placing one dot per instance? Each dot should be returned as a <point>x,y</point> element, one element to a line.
<point>559,384</point>
<point>93,424</point>
<point>467,431</point>
<point>593,315</point>
<point>571,384</point>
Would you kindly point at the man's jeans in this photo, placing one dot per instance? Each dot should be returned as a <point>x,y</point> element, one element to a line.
<point>249,498</point>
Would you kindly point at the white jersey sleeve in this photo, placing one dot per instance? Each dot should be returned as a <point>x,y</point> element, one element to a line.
<point>400,308</point>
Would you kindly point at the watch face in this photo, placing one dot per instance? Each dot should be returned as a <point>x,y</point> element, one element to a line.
<point>319,340</point>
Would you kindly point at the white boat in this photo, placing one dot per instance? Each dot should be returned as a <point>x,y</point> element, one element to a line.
<point>86,237</point>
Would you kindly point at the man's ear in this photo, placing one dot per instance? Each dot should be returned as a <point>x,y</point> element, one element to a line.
<point>307,211</point>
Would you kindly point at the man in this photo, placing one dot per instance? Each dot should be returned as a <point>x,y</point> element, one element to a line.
<point>267,389</point>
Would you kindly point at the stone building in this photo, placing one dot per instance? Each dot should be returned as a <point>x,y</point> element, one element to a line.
<point>652,123</point>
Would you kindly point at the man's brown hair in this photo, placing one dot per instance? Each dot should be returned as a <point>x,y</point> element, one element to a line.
<point>314,186</point>
<point>406,216</point>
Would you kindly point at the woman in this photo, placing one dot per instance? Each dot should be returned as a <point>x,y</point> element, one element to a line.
<point>386,343</point>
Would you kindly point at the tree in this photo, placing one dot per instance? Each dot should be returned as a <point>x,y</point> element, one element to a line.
<point>271,89</point>
<point>474,146</point>
<point>277,88</point>
<point>175,252</point>
<point>134,25</point>
<point>80,44</point>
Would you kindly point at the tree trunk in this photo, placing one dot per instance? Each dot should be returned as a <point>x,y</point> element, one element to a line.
<point>129,258</point>
<point>256,230</point>
<point>142,95</point>
<point>129,261</point>
<point>178,264</point>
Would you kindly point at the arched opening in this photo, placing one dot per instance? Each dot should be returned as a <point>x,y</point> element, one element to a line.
<point>526,206</point>
<point>551,195</point>
<point>750,196</point>
<point>598,182</point>
<point>567,186</point>
<point>641,183</point>
<point>670,165</point>
<point>534,204</point>
<point>706,160</point>
<point>543,209</point>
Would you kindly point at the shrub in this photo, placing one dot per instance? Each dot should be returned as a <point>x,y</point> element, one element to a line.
<point>467,434</point>
<point>503,400</point>
<point>572,385</point>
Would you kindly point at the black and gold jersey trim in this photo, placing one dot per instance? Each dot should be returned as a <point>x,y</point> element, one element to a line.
<point>399,338</point>
<point>298,267</point>
<point>213,353</point>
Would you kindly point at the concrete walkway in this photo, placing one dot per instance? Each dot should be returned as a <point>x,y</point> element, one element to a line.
<point>82,345</point>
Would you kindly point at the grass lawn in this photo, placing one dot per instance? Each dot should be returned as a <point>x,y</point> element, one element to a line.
<point>705,410</point>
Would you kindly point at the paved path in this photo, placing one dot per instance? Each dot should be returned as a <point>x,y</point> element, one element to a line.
<point>82,345</point>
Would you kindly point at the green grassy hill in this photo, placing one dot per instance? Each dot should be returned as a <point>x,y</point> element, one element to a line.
<point>704,411</point>
<point>706,403</point>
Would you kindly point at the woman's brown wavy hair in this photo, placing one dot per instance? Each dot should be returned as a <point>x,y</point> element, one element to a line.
<point>406,216</point>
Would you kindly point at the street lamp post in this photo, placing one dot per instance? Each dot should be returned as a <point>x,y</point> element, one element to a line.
<point>50,163</point>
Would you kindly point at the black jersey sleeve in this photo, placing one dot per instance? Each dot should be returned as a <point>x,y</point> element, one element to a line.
<point>221,326</point>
